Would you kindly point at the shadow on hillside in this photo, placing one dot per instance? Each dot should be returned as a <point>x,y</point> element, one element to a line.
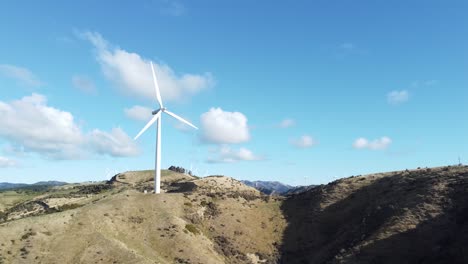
<point>181,187</point>
<point>329,235</point>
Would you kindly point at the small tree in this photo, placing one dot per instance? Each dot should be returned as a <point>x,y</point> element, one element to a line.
<point>177,169</point>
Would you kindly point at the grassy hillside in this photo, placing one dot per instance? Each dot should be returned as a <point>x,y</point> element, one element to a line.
<point>209,220</point>
<point>418,216</point>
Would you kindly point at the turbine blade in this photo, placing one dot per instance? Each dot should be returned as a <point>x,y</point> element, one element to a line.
<point>155,117</point>
<point>180,119</point>
<point>156,86</point>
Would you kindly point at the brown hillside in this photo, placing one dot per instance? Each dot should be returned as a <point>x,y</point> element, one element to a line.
<point>418,216</point>
<point>209,220</point>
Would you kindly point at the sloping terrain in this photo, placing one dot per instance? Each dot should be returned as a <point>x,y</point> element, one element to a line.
<point>418,216</point>
<point>209,220</point>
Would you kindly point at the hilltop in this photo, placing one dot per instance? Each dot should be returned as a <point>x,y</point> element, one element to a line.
<point>412,216</point>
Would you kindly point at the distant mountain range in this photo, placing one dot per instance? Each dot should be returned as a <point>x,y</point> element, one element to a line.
<point>299,189</point>
<point>269,187</point>
<point>8,185</point>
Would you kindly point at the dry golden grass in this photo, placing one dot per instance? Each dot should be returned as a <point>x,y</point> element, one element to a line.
<point>396,217</point>
<point>412,216</point>
<point>124,225</point>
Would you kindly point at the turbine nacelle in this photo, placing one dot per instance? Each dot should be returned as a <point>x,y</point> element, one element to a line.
<point>157,111</point>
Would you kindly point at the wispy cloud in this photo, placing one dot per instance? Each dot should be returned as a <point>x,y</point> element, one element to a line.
<point>347,46</point>
<point>346,49</point>
<point>132,73</point>
<point>22,75</point>
<point>31,125</point>
<point>304,141</point>
<point>424,83</point>
<point>84,84</point>
<point>222,127</point>
<point>172,8</point>
<point>397,97</point>
<point>7,163</point>
<point>287,123</point>
<point>377,144</point>
<point>227,155</point>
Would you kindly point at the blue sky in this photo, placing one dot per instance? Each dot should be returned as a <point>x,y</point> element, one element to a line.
<point>298,92</point>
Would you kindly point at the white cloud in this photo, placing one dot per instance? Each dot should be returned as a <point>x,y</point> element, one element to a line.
<point>23,75</point>
<point>84,84</point>
<point>6,162</point>
<point>116,143</point>
<point>303,142</point>
<point>287,123</point>
<point>31,125</point>
<point>361,143</point>
<point>221,127</point>
<point>377,144</point>
<point>39,128</point>
<point>397,97</point>
<point>139,113</point>
<point>132,73</point>
<point>227,155</point>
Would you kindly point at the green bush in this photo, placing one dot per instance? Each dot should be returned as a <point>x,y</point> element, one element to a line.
<point>192,229</point>
<point>66,207</point>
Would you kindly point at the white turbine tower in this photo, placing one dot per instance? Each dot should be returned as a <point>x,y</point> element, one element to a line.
<point>157,117</point>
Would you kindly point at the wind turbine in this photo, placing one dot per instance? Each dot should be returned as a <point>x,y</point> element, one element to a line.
<point>157,117</point>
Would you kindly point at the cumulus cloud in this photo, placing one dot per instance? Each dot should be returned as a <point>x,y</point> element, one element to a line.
<point>39,128</point>
<point>227,155</point>
<point>377,144</point>
<point>132,73</point>
<point>84,84</point>
<point>139,113</point>
<point>116,143</point>
<point>33,126</point>
<point>287,123</point>
<point>397,97</point>
<point>22,75</point>
<point>6,162</point>
<point>303,142</point>
<point>222,127</point>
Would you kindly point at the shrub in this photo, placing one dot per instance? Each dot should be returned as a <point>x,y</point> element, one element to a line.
<point>212,209</point>
<point>66,207</point>
<point>136,219</point>
<point>192,229</point>
<point>177,169</point>
<point>28,234</point>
